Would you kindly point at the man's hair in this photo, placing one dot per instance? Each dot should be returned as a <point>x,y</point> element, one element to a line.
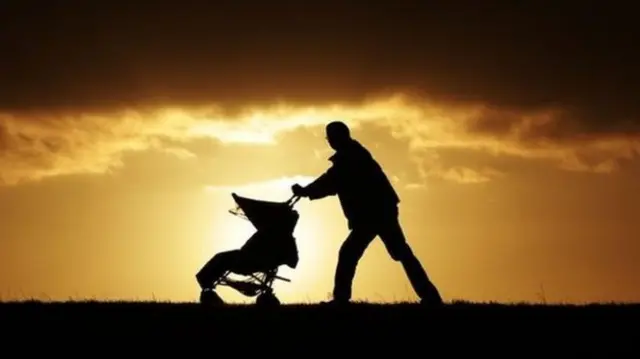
<point>338,129</point>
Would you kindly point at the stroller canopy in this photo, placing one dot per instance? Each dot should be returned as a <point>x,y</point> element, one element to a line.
<point>266,215</point>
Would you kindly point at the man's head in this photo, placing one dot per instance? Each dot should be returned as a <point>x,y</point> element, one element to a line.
<point>338,134</point>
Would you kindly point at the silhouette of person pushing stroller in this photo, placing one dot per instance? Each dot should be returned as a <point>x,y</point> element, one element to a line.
<point>370,205</point>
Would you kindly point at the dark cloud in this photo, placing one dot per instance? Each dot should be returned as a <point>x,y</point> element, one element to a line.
<point>553,80</point>
<point>580,56</point>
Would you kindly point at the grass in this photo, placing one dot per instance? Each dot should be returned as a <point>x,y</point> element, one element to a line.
<point>459,326</point>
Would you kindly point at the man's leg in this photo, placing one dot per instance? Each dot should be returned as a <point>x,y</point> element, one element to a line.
<point>350,253</point>
<point>216,267</point>
<point>393,237</point>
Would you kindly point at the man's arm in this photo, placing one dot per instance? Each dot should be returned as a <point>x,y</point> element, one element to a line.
<point>323,186</point>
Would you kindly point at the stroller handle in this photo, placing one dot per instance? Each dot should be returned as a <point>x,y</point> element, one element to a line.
<point>293,200</point>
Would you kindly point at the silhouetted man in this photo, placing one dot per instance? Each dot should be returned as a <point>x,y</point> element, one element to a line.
<point>370,205</point>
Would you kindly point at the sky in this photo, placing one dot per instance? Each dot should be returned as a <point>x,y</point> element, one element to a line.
<point>510,131</point>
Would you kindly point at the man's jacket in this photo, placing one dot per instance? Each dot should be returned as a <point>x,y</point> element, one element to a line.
<point>365,193</point>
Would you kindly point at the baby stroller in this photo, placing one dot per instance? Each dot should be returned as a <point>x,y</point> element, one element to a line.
<point>271,246</point>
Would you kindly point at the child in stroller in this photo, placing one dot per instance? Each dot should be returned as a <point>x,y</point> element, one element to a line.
<point>270,247</point>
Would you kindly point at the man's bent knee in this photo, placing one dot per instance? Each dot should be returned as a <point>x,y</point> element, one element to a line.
<point>350,250</point>
<point>400,252</point>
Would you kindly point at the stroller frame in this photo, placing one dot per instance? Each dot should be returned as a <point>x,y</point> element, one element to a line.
<point>259,283</point>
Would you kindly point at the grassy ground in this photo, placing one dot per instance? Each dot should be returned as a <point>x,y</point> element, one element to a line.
<point>410,328</point>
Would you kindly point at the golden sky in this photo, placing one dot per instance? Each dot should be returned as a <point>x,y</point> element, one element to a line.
<point>122,139</point>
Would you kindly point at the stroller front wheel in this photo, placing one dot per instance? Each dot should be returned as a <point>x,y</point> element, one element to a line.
<point>267,299</point>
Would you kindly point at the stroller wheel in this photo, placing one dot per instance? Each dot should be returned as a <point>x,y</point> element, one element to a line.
<point>267,299</point>
<point>210,298</point>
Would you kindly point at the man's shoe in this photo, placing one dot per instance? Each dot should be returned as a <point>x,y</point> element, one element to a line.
<point>432,303</point>
<point>432,298</point>
<point>336,302</point>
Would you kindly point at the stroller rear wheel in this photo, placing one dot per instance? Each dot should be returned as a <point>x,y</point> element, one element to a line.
<point>267,299</point>
<point>210,298</point>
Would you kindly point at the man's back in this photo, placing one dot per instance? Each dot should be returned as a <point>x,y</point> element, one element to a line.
<point>361,185</point>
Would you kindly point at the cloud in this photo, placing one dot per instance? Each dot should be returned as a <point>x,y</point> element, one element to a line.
<point>36,146</point>
<point>526,81</point>
<point>543,135</point>
<point>525,57</point>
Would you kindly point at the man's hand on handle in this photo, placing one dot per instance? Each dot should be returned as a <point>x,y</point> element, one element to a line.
<point>298,190</point>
